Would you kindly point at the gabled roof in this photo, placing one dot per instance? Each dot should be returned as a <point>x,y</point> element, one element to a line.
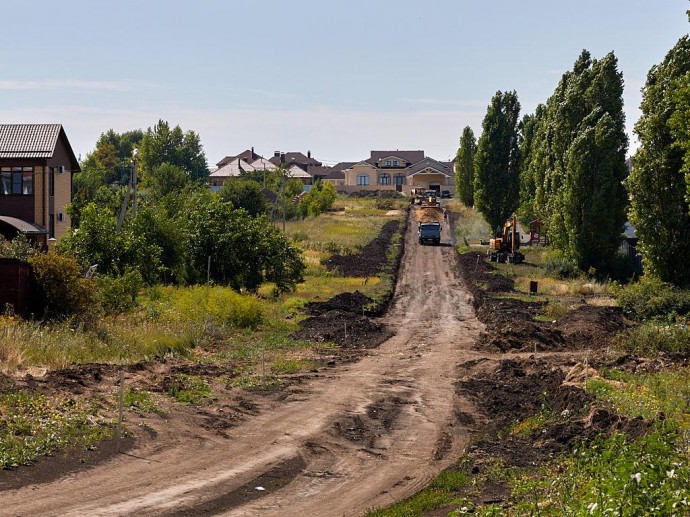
<point>342,166</point>
<point>262,164</point>
<point>28,140</point>
<point>232,169</point>
<point>296,171</point>
<point>294,158</point>
<point>409,156</point>
<point>248,156</point>
<point>335,175</point>
<point>430,163</point>
<point>33,141</point>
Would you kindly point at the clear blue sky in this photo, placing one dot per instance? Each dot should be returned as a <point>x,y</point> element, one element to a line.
<point>337,78</point>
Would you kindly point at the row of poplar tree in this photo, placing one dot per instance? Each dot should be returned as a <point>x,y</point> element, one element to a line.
<point>565,164</point>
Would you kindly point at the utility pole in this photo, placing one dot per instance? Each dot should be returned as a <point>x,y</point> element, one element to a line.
<point>131,185</point>
<point>135,153</point>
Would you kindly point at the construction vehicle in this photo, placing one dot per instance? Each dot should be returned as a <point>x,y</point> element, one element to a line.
<point>429,233</point>
<point>430,215</point>
<point>505,248</point>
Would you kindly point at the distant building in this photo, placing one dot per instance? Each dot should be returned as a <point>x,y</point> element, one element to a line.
<point>36,168</point>
<point>399,170</point>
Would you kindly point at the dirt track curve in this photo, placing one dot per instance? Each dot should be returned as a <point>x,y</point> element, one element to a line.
<point>357,437</point>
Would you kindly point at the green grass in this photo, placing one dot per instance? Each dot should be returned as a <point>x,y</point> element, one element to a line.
<point>140,401</point>
<point>441,493</point>
<point>470,226</point>
<point>33,424</point>
<point>188,389</point>
<point>287,366</point>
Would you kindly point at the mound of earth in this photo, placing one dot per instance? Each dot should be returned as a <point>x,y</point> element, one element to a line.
<point>481,277</point>
<point>350,302</point>
<point>343,328</point>
<point>514,391</point>
<point>591,326</point>
<point>372,260</point>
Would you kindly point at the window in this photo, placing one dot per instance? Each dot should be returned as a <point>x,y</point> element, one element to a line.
<point>17,181</point>
<point>385,179</point>
<point>399,179</point>
<point>51,181</point>
<point>51,226</point>
<point>395,163</point>
<point>388,163</point>
<point>363,179</point>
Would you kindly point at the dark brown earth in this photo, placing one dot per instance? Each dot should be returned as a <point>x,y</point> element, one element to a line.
<point>343,439</point>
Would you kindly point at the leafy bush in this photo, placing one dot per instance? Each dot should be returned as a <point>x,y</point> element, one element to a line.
<point>19,248</point>
<point>62,291</point>
<point>202,305</point>
<point>119,294</point>
<point>558,265</point>
<point>649,339</point>
<point>650,298</point>
<point>319,199</point>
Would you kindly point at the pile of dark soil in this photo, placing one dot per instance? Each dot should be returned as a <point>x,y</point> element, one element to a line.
<point>510,323</point>
<point>591,326</point>
<point>345,329</point>
<point>355,303</point>
<point>345,318</point>
<point>372,260</point>
<point>517,390</point>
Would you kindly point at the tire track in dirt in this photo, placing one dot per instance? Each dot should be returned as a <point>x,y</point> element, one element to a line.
<point>368,434</point>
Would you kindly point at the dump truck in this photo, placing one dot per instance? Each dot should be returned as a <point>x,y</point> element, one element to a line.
<point>505,248</point>
<point>430,215</point>
<point>429,233</point>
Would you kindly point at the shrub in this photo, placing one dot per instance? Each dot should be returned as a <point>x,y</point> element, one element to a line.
<point>62,291</point>
<point>19,248</point>
<point>119,294</point>
<point>650,298</point>
<point>649,339</point>
<point>556,264</point>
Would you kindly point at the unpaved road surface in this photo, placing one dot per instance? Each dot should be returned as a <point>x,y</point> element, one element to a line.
<point>356,437</point>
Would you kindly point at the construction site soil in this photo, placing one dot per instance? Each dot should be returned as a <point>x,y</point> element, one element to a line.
<point>439,377</point>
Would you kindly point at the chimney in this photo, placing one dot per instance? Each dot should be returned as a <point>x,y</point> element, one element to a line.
<point>282,157</point>
<point>276,154</point>
<point>308,154</point>
<point>253,153</point>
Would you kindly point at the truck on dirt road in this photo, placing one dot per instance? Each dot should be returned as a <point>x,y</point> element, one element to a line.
<point>430,215</point>
<point>429,233</point>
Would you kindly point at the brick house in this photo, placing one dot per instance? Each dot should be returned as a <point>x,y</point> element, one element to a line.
<point>36,168</point>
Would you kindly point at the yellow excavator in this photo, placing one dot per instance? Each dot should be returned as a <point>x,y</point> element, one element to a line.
<point>505,248</point>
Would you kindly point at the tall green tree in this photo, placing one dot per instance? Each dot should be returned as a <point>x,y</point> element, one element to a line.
<point>590,203</point>
<point>657,186</point>
<point>527,131</point>
<point>163,144</point>
<point>464,167</point>
<point>244,251</point>
<point>496,177</point>
<point>576,164</point>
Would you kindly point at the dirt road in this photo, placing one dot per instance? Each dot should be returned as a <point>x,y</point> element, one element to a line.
<point>356,437</point>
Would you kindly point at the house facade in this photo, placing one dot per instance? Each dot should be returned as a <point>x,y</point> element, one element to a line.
<point>36,168</point>
<point>400,171</point>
